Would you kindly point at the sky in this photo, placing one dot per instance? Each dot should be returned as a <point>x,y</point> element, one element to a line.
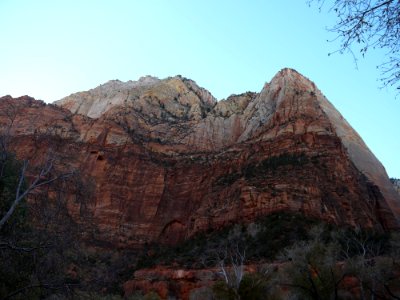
<point>51,49</point>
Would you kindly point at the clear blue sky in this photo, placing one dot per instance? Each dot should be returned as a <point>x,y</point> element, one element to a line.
<point>50,49</point>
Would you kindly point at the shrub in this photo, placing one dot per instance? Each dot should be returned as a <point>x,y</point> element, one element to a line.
<point>151,296</point>
<point>203,293</point>
<point>222,291</point>
<point>264,239</point>
<point>253,286</point>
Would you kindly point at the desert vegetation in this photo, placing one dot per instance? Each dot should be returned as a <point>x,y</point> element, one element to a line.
<point>293,257</point>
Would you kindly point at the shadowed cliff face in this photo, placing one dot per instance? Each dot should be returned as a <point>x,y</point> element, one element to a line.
<point>396,184</point>
<point>166,160</point>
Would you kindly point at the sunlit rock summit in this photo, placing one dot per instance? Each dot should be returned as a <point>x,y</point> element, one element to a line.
<point>165,160</point>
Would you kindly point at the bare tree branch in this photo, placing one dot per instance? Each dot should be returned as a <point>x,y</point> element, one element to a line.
<point>37,183</point>
<point>365,24</point>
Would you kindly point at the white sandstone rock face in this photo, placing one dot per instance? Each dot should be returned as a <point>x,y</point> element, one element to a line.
<point>149,95</point>
<point>99,100</point>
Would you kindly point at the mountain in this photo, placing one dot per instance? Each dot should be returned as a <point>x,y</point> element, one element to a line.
<point>164,160</point>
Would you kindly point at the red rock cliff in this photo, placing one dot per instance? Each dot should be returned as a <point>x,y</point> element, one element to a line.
<point>165,160</point>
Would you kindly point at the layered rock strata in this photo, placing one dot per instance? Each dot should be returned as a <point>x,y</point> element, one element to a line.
<point>164,160</point>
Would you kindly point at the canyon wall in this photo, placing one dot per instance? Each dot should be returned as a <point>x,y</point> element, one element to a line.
<point>164,160</point>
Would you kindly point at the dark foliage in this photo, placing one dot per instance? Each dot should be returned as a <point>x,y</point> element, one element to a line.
<point>36,238</point>
<point>264,239</point>
<point>272,164</point>
<point>276,232</point>
<point>259,169</point>
<point>8,185</point>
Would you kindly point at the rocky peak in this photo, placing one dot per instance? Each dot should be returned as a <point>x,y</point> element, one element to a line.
<point>290,95</point>
<point>204,95</point>
<point>113,86</point>
<point>174,97</point>
<point>97,101</point>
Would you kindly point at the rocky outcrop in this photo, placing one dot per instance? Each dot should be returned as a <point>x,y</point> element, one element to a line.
<point>164,160</point>
<point>396,184</point>
<point>179,282</point>
<point>148,95</point>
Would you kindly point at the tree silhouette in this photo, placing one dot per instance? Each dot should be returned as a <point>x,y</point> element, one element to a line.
<point>366,24</point>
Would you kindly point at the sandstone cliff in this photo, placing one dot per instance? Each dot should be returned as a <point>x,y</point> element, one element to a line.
<point>165,160</point>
